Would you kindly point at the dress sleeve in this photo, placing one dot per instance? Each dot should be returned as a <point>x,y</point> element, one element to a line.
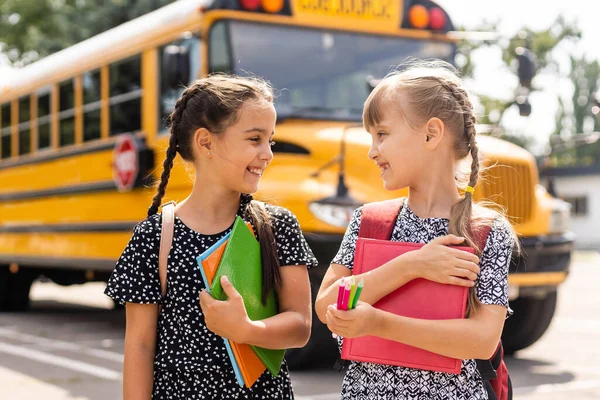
<point>292,247</point>
<point>135,277</point>
<point>345,255</point>
<point>492,285</point>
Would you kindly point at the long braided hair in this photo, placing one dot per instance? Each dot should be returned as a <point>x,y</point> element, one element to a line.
<point>432,89</point>
<point>214,103</point>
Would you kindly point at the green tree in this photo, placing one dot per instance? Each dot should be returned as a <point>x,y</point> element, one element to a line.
<point>575,120</point>
<point>541,43</point>
<point>30,29</point>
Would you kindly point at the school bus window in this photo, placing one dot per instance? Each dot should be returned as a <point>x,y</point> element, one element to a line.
<point>67,113</point>
<point>219,49</point>
<point>5,131</point>
<point>125,96</point>
<point>324,73</point>
<point>43,119</point>
<point>91,105</point>
<point>174,76</point>
<point>24,126</point>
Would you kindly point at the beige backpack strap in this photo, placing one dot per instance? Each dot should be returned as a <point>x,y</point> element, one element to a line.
<point>166,240</point>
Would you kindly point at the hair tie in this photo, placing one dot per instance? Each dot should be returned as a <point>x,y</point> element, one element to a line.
<point>470,189</point>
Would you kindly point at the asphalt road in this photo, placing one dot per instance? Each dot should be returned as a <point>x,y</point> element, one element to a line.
<point>70,346</point>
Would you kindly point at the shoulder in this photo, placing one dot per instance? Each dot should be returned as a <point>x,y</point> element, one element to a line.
<point>148,228</point>
<point>281,218</point>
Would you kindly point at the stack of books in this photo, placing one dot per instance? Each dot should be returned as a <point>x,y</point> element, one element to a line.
<point>237,256</point>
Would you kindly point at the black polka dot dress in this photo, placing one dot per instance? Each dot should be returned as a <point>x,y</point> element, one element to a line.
<point>191,362</point>
<point>370,381</point>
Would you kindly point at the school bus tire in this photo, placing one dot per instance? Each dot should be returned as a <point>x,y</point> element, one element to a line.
<point>14,289</point>
<point>532,317</point>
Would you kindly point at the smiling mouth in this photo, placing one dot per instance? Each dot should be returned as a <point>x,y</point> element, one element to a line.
<point>255,171</point>
<point>384,167</point>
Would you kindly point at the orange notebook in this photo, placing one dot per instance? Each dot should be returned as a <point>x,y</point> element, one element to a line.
<point>251,367</point>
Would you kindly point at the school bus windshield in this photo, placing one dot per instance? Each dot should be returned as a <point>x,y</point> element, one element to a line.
<point>320,74</point>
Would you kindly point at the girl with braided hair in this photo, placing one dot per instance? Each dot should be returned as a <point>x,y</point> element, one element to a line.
<point>422,127</point>
<point>223,127</point>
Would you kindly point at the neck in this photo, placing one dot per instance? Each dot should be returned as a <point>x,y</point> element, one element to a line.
<point>209,207</point>
<point>435,193</point>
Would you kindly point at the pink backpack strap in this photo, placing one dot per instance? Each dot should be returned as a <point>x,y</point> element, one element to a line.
<point>378,219</point>
<point>481,236</point>
<point>166,240</point>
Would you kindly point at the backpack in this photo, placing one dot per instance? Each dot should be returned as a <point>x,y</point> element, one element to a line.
<point>377,222</point>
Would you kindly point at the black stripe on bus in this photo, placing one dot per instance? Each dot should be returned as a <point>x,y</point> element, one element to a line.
<point>57,155</point>
<point>88,227</point>
<point>52,262</point>
<point>74,189</point>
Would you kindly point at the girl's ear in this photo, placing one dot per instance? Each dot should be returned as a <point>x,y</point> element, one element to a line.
<point>203,141</point>
<point>435,130</point>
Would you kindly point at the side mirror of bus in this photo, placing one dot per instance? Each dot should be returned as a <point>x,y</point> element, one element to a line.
<point>526,68</point>
<point>176,67</point>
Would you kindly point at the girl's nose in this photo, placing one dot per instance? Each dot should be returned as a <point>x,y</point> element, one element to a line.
<point>266,154</point>
<point>373,153</point>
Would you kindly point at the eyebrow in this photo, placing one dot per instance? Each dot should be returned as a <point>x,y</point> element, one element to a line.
<point>259,130</point>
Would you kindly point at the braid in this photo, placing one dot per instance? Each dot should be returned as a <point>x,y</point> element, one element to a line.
<point>174,120</point>
<point>462,98</point>
<point>164,178</point>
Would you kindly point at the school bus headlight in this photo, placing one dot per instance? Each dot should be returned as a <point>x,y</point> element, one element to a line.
<point>560,216</point>
<point>333,214</point>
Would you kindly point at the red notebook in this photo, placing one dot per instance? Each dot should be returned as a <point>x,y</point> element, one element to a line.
<point>419,298</point>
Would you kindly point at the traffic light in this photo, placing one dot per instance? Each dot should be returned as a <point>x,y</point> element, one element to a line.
<point>526,69</point>
<point>524,106</point>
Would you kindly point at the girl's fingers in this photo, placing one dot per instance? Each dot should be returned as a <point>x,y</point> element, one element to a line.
<point>468,266</point>
<point>460,282</point>
<point>464,255</point>
<point>465,273</point>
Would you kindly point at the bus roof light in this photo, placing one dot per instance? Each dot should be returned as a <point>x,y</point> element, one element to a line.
<point>418,16</point>
<point>251,5</point>
<point>272,6</point>
<point>437,19</point>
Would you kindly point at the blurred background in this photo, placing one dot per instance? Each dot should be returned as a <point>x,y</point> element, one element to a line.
<point>86,85</point>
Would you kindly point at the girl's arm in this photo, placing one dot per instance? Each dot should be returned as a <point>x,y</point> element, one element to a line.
<point>475,337</point>
<point>140,342</point>
<point>290,328</point>
<point>435,262</point>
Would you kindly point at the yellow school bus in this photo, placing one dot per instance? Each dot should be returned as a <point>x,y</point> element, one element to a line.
<point>82,136</point>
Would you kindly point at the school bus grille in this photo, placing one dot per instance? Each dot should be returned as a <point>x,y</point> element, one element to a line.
<point>511,186</point>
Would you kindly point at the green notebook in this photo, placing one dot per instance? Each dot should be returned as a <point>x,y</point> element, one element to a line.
<point>241,263</point>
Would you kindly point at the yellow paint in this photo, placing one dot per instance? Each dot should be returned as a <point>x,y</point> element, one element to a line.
<point>105,110</point>
<point>373,15</point>
<point>537,279</point>
<point>150,72</point>
<point>14,128</point>
<point>54,117</point>
<point>78,87</point>
<point>34,122</point>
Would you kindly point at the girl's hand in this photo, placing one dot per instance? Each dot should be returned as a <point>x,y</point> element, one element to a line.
<point>439,263</point>
<point>228,318</point>
<point>357,322</point>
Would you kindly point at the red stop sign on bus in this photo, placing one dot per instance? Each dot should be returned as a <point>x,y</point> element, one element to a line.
<point>125,162</point>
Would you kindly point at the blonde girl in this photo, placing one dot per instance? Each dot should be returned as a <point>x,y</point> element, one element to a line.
<point>422,127</point>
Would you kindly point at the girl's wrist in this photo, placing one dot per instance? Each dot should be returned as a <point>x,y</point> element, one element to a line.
<point>407,265</point>
<point>245,331</point>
